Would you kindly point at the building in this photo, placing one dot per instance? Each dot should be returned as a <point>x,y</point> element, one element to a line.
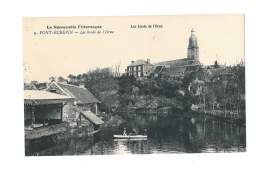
<point>139,68</point>
<point>174,68</point>
<point>193,48</point>
<point>177,68</point>
<point>29,86</point>
<point>45,122</point>
<point>83,105</point>
<point>43,113</point>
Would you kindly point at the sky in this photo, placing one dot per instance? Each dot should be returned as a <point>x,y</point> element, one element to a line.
<point>220,37</point>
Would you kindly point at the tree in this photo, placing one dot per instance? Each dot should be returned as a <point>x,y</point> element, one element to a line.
<point>73,79</point>
<point>61,79</point>
<point>52,79</point>
<point>216,65</point>
<point>103,85</point>
<point>116,70</point>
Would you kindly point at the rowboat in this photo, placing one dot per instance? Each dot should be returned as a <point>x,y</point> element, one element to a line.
<point>131,139</point>
<point>129,136</point>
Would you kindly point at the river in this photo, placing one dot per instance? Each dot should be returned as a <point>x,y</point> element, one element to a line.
<point>169,134</point>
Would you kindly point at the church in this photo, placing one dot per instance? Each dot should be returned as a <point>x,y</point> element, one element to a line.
<point>176,68</point>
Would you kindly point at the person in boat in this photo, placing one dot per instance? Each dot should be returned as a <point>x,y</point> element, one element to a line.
<point>134,132</point>
<point>124,132</point>
<point>145,131</point>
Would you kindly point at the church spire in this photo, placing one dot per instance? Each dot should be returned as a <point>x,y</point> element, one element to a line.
<point>193,48</point>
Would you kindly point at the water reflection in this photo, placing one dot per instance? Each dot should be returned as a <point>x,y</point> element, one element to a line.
<point>173,134</point>
<point>177,135</point>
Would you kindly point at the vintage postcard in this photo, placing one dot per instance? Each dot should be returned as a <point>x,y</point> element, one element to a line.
<point>134,85</point>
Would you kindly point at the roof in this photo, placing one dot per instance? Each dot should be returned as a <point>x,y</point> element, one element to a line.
<point>178,69</point>
<point>216,72</point>
<point>175,71</point>
<point>177,62</point>
<point>92,117</point>
<point>39,96</point>
<point>139,62</point>
<point>158,69</point>
<point>29,86</point>
<point>83,95</point>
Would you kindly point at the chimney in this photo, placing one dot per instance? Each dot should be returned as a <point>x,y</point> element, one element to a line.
<point>148,61</point>
<point>132,62</point>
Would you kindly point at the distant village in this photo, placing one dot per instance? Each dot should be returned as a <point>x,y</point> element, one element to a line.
<point>80,105</point>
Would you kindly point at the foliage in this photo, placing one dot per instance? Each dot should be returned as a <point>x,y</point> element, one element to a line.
<point>217,88</point>
<point>214,87</point>
<point>102,84</point>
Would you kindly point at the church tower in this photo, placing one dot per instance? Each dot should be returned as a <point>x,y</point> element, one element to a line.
<point>193,48</point>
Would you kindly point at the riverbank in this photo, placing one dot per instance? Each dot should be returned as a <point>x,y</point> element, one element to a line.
<point>225,117</point>
<point>169,123</point>
<point>113,121</point>
<point>175,133</point>
<point>44,137</point>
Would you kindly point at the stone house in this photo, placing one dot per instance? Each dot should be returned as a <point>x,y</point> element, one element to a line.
<point>139,68</point>
<point>84,104</point>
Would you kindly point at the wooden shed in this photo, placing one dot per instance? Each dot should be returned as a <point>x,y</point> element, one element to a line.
<point>42,108</point>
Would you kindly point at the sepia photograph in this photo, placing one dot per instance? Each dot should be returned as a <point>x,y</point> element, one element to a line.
<point>109,85</point>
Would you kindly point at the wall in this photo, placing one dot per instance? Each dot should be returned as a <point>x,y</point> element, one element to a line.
<point>69,112</point>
